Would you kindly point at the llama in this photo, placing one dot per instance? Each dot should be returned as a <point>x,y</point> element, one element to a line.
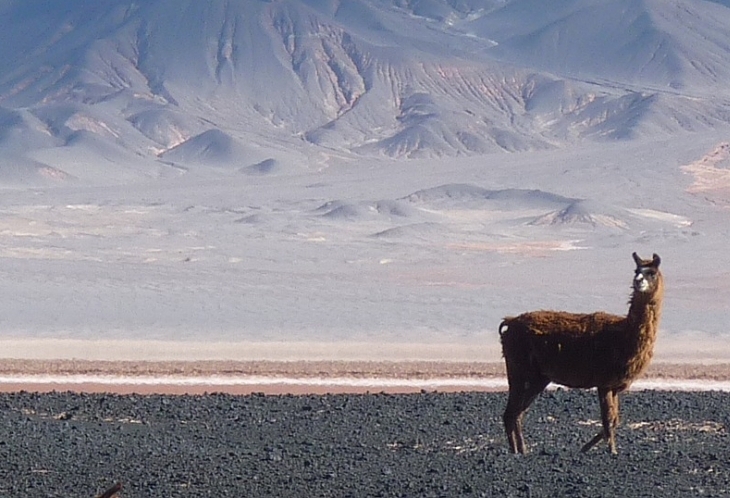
<point>582,351</point>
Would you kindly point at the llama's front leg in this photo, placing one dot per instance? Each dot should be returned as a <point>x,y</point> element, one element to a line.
<point>608,400</point>
<point>610,421</point>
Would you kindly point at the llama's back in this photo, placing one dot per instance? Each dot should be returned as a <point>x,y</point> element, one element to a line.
<point>572,349</point>
<point>565,324</point>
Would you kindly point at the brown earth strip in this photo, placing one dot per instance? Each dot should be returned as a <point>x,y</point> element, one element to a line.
<point>406,370</point>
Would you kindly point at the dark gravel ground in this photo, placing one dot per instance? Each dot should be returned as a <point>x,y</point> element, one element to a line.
<point>419,445</point>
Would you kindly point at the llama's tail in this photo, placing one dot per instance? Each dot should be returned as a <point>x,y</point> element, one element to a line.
<point>515,344</point>
<point>509,338</point>
<point>504,326</point>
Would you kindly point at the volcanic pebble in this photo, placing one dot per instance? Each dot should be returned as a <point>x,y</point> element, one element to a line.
<point>415,445</point>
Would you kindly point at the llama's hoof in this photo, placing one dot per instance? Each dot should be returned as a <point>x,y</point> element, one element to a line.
<point>518,451</point>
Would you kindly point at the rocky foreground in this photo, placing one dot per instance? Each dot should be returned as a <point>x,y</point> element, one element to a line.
<point>419,445</point>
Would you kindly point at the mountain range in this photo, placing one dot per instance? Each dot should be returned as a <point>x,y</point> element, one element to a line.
<point>113,91</point>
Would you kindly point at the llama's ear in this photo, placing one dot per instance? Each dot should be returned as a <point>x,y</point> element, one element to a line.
<point>637,259</point>
<point>655,260</point>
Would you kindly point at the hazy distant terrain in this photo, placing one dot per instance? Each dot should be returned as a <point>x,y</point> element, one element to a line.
<point>368,171</point>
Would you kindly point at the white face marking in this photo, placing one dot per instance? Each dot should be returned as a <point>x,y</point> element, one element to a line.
<point>641,284</point>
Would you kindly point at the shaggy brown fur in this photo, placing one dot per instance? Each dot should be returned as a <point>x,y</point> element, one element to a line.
<point>582,351</point>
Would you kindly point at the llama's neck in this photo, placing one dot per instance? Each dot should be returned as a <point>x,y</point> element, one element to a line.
<point>642,325</point>
<point>644,315</point>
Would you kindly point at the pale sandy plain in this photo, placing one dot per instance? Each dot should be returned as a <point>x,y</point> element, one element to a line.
<point>299,368</point>
<point>180,331</point>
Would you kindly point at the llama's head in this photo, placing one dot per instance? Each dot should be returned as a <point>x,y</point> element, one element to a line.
<point>647,278</point>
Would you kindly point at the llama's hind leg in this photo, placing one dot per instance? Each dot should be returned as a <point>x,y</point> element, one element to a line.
<point>608,399</point>
<point>522,392</point>
<point>513,421</point>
